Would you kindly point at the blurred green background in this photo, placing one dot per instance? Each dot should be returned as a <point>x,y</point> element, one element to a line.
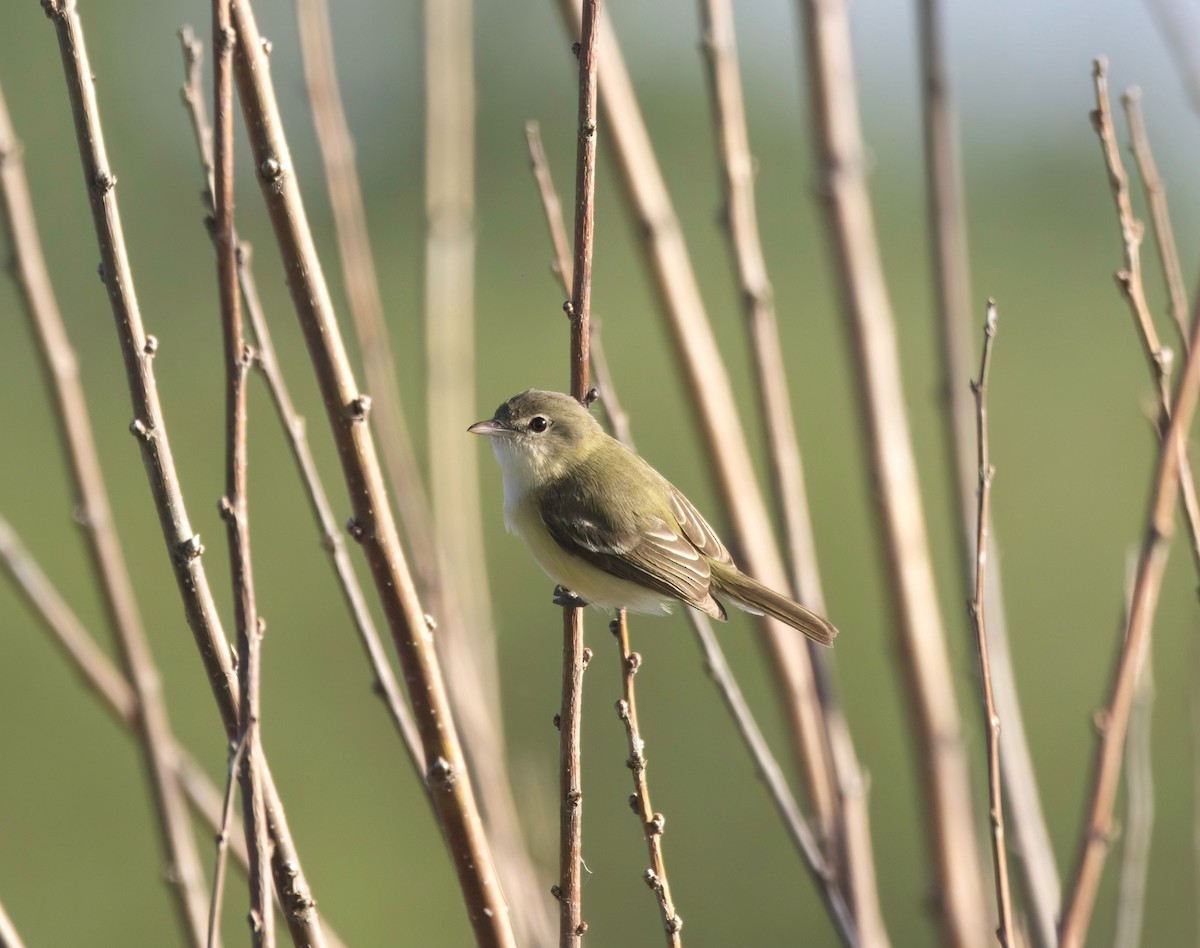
<point>79,862</point>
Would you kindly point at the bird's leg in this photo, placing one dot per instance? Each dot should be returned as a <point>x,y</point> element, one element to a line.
<point>564,597</point>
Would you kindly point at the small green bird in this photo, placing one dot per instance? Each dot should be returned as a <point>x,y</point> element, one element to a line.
<point>608,527</point>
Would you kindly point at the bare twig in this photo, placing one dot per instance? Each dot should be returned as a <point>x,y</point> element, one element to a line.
<point>1037,872</point>
<point>61,370</point>
<point>710,395</point>
<point>575,656</point>
<point>362,286</point>
<point>234,504</point>
<point>714,658</point>
<point>107,684</point>
<point>936,722</point>
<point>1113,720</point>
<point>9,938</point>
<point>850,849</point>
<point>639,801</point>
<point>560,265</point>
<point>447,779</point>
<point>991,717</point>
<point>237,754</point>
<point>332,538</point>
<point>183,546</point>
<point>1160,216</point>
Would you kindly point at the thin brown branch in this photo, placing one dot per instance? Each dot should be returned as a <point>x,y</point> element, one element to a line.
<point>936,722</point>
<point>1113,720</point>
<point>61,370</point>
<point>362,287</point>
<point>447,779</point>
<point>9,938</point>
<point>1037,872</point>
<point>710,395</point>
<point>560,265</point>
<point>639,801</point>
<point>295,431</point>
<point>1160,216</point>
<point>991,717</point>
<point>234,504</point>
<point>850,849</point>
<point>109,686</point>
<point>714,658</point>
<point>149,428</point>
<point>236,756</point>
<point>575,657</point>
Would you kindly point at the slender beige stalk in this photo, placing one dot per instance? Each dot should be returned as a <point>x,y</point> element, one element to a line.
<point>61,370</point>
<point>294,429</point>
<point>106,683</point>
<point>9,938</point>
<point>1113,720</point>
<point>234,503</point>
<point>362,287</point>
<point>850,849</point>
<point>149,428</point>
<point>714,658</point>
<point>1160,216</point>
<point>938,730</point>
<point>1036,870</point>
<point>652,822</point>
<point>1159,358</point>
<point>991,717</point>
<point>710,396</point>
<point>447,779</point>
<point>467,639</point>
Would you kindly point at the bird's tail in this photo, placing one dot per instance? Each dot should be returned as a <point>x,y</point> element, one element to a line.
<point>749,594</point>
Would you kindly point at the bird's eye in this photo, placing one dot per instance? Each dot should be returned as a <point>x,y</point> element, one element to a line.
<point>539,423</point>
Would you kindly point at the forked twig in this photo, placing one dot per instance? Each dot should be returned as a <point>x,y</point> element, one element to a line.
<point>652,823</point>
<point>447,779</point>
<point>107,559</point>
<point>148,427</point>
<point>991,718</point>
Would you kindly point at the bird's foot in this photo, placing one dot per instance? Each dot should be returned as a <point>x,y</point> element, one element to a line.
<point>564,597</point>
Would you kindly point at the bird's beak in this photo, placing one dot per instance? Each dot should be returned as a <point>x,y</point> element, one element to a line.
<point>490,427</point>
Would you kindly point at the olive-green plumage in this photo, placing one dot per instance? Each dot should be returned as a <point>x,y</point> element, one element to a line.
<point>606,525</point>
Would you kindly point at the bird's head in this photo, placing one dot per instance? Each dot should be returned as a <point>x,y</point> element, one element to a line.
<point>537,436</point>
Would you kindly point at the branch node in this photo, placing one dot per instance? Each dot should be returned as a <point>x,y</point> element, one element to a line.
<point>573,797</point>
<point>150,347</point>
<point>226,510</point>
<point>140,430</point>
<point>358,408</point>
<point>270,169</point>
<point>622,707</point>
<point>355,529</point>
<point>633,662</point>
<point>104,181</point>
<point>656,825</point>
<point>190,549</point>
<point>442,774</point>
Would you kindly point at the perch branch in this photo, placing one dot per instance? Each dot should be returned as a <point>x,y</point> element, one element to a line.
<point>710,395</point>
